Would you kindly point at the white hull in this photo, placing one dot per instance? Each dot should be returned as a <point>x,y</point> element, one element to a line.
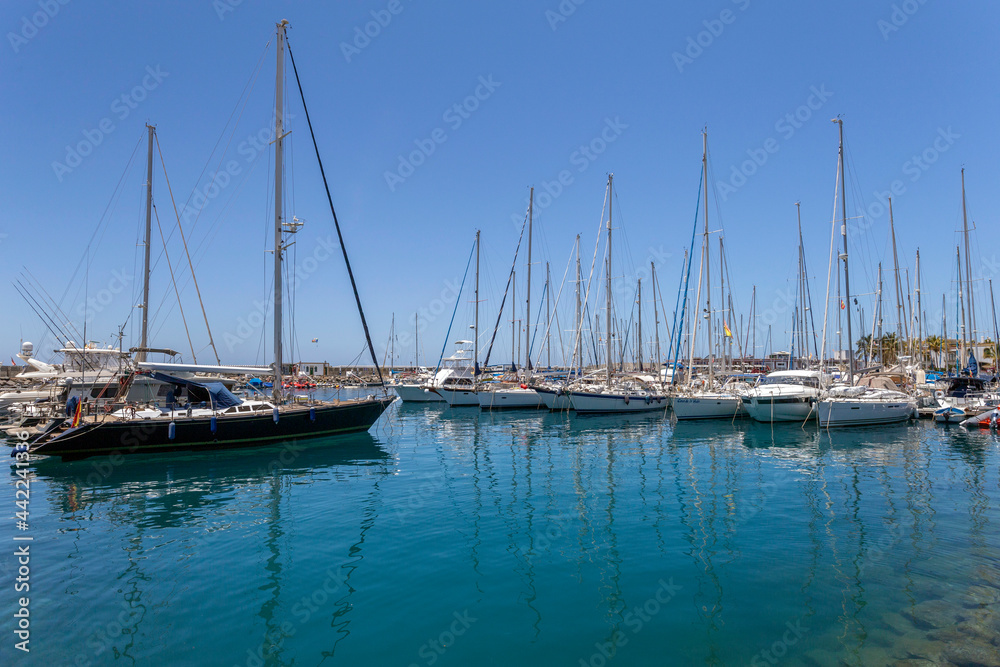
<point>553,400</point>
<point>779,408</point>
<point>459,398</point>
<point>509,399</point>
<point>851,412</point>
<point>417,393</point>
<point>611,403</point>
<point>707,407</point>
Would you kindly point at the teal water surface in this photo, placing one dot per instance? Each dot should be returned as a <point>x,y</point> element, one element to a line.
<point>456,537</point>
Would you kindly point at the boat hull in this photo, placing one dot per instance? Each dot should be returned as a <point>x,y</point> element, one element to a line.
<point>510,399</point>
<point>553,399</point>
<point>862,413</point>
<point>459,398</point>
<point>236,431</point>
<point>769,409</point>
<point>417,393</point>
<point>585,402</point>
<point>713,407</point>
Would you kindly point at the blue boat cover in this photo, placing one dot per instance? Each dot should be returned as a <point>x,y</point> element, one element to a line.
<point>199,392</point>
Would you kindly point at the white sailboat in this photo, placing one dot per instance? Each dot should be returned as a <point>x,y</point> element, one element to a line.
<point>859,404</point>
<point>626,394</point>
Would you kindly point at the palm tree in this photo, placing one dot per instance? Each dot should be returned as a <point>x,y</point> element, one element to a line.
<point>935,344</point>
<point>888,351</point>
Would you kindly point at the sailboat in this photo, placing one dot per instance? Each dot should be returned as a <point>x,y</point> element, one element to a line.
<point>516,394</point>
<point>871,401</point>
<point>705,401</point>
<point>213,417</point>
<point>623,394</point>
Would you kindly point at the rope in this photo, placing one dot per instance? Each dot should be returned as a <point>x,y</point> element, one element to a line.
<point>340,236</point>
<point>171,267</point>
<point>180,229</point>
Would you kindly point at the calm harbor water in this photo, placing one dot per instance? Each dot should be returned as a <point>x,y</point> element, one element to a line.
<point>455,537</point>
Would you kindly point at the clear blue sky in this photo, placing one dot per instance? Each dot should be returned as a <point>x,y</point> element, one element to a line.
<point>903,75</point>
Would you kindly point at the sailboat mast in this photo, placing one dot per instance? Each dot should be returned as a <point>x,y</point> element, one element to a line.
<point>527,308</point>
<point>902,331</point>
<point>961,304</point>
<point>579,311</point>
<point>843,233</point>
<point>608,305</point>
<point>548,316</point>
<point>416,340</point>
<point>656,319</point>
<point>639,331</point>
<point>968,267</point>
<point>475,330</point>
<point>144,341</point>
<point>920,312</point>
<point>708,272</point>
<point>279,146</point>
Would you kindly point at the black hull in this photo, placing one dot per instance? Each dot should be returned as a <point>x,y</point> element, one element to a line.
<point>235,431</point>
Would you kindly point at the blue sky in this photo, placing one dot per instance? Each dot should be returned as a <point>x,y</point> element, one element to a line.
<point>540,82</point>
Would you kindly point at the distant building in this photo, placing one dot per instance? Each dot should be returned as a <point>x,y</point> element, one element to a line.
<point>314,368</point>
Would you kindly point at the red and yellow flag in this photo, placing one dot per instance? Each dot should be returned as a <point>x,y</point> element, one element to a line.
<point>725,328</point>
<point>76,415</point>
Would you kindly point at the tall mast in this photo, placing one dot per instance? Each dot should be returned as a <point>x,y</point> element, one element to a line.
<point>722,305</point>
<point>416,340</point>
<point>279,146</point>
<point>708,273</point>
<point>548,316</point>
<point>843,233</point>
<point>513,320</point>
<point>961,304</point>
<point>968,268</point>
<point>902,330</point>
<point>527,308</point>
<point>475,330</point>
<point>144,341</point>
<point>656,320</point>
<point>996,334</point>
<point>579,311</point>
<point>920,312</point>
<point>608,333</point>
<point>639,331</point>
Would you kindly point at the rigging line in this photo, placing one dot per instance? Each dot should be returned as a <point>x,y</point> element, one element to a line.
<point>510,277</point>
<point>194,278</point>
<point>50,302</point>
<point>41,315</point>
<point>829,268</point>
<point>156,212</point>
<point>590,278</point>
<point>555,306</point>
<point>350,273</point>
<point>245,95</point>
<point>100,221</point>
<point>679,328</point>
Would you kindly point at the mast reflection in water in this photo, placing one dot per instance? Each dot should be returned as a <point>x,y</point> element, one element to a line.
<point>456,537</point>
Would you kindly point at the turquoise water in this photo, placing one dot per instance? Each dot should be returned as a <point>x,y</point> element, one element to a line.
<point>455,537</point>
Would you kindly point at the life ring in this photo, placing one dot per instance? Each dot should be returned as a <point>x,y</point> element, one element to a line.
<point>939,394</point>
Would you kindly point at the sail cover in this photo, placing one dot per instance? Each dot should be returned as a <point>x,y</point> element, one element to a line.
<point>214,393</point>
